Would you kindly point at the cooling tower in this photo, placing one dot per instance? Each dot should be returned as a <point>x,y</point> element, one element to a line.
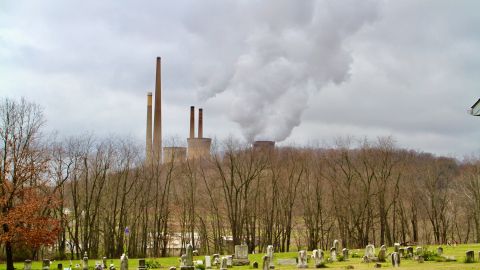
<point>157,120</point>
<point>148,144</point>
<point>174,154</point>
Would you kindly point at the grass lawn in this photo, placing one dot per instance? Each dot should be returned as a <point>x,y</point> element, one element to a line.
<point>458,252</point>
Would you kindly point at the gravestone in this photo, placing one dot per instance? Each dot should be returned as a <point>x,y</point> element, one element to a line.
<point>141,264</point>
<point>241,255</point>
<point>104,262</point>
<point>318,257</point>
<point>112,267</point>
<point>60,266</point>
<point>27,265</point>
<point>172,268</point>
<point>336,245</point>
<point>302,259</point>
<point>470,256</point>
<point>45,264</point>
<point>365,259</point>
<point>396,247</point>
<point>409,252</point>
<point>124,262</point>
<point>195,252</point>
<point>229,261</point>
<point>98,266</point>
<point>382,254</point>
<point>420,259</point>
<point>395,259</point>
<point>266,262</point>
<point>255,265</point>
<point>345,253</point>
<point>440,251</point>
<point>216,260</point>
<point>370,252</point>
<point>270,257</point>
<point>223,263</point>
<point>333,254</point>
<point>187,259</point>
<point>401,251</point>
<point>208,262</point>
<point>85,261</point>
<point>419,251</point>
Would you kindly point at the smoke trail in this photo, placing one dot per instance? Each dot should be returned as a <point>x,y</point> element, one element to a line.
<point>285,51</point>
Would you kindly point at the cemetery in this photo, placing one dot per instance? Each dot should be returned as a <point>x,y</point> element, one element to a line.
<point>424,257</point>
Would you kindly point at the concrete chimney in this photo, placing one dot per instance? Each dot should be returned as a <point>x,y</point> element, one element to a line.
<point>200,123</point>
<point>192,122</point>
<point>157,124</point>
<point>148,146</point>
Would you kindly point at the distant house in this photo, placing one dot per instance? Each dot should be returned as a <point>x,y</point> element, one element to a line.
<point>475,109</point>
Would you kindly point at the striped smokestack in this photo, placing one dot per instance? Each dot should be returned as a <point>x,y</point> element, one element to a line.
<point>148,146</point>
<point>192,122</point>
<point>157,124</point>
<point>200,123</point>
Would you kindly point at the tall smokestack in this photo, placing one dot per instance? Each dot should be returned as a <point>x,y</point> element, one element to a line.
<point>200,123</point>
<point>148,146</point>
<point>157,124</point>
<point>192,122</point>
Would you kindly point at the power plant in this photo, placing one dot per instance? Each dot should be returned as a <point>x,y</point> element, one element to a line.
<point>198,147</point>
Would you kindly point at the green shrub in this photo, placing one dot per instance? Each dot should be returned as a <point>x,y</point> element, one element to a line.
<point>152,264</point>
<point>340,258</point>
<point>355,255</point>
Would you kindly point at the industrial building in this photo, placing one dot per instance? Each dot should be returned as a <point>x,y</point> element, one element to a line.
<point>198,147</point>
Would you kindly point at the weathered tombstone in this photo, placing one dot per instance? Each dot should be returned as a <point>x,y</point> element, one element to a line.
<point>241,255</point>
<point>345,253</point>
<point>266,262</point>
<point>382,254</point>
<point>124,262</point>
<point>229,261</point>
<point>419,251</point>
<point>410,252</point>
<point>270,257</point>
<point>440,251</point>
<point>208,262</point>
<point>401,251</point>
<point>370,252</point>
<point>45,264</point>
<point>302,259</point>
<point>470,256</point>
<point>255,265</point>
<point>396,247</point>
<point>336,245</point>
<point>216,260</point>
<point>27,265</point>
<point>85,261</point>
<point>223,263</point>
<point>420,259</point>
<point>195,252</point>
<point>187,259</point>
<point>172,268</point>
<point>104,262</point>
<point>60,266</point>
<point>98,265</point>
<point>141,264</point>
<point>112,267</point>
<point>395,259</point>
<point>333,254</point>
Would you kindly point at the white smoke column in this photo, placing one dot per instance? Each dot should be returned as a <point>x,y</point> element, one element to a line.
<point>287,51</point>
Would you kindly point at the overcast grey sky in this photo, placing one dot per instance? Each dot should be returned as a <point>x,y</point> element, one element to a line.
<point>300,72</point>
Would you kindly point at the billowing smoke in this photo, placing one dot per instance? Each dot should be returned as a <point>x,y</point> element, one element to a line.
<point>270,56</point>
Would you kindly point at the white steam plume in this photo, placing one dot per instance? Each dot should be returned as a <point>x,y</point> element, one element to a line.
<point>272,55</point>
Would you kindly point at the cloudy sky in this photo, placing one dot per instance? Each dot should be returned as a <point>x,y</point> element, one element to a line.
<point>299,72</point>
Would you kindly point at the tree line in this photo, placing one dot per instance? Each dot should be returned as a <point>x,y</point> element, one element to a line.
<point>64,197</point>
